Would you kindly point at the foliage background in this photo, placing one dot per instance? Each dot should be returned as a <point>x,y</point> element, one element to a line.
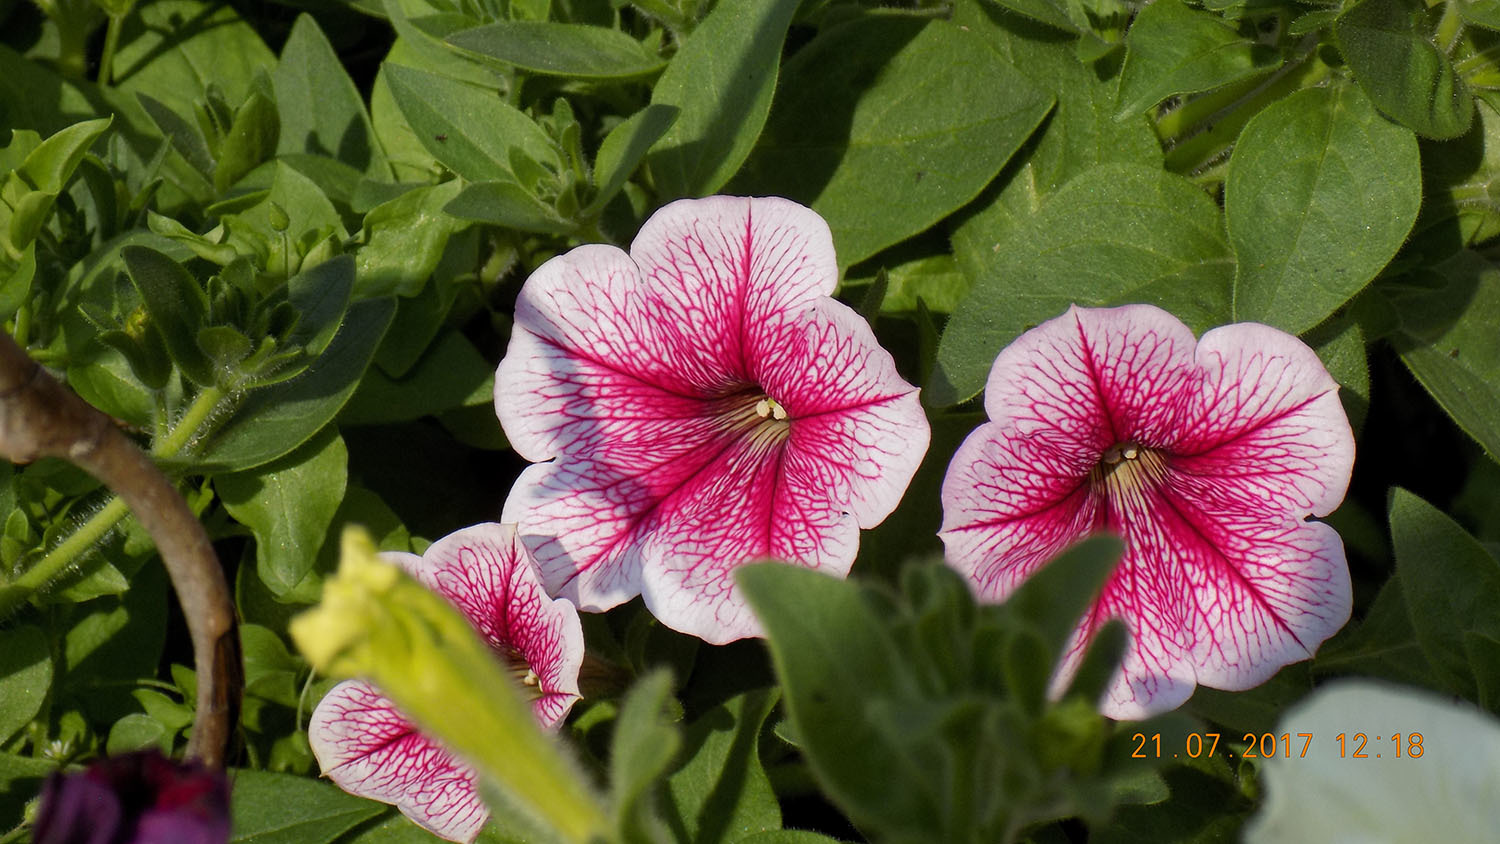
<point>279,242</point>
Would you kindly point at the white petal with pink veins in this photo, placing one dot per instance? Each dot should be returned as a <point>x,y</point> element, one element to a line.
<point>1206,456</point>
<point>704,404</point>
<point>368,748</point>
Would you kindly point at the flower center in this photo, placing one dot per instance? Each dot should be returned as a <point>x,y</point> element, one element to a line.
<point>769,407</point>
<point>754,414</point>
<point>515,662</point>
<point>1127,469</point>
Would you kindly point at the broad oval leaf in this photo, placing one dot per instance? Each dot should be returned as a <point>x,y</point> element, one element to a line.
<point>25,676</point>
<point>470,130</point>
<point>721,83</point>
<point>1177,50</point>
<point>1389,47</point>
<point>1321,192</point>
<point>1451,584</point>
<point>1451,345</point>
<point>889,105</point>
<point>289,505</point>
<point>560,49</point>
<point>1162,243</point>
<point>321,111</point>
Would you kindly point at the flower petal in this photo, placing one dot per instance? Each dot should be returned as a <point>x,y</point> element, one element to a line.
<point>858,438</point>
<point>1207,456</point>
<point>636,374</point>
<point>736,264</point>
<point>1266,425</point>
<point>485,571</point>
<point>368,748</point>
<point>1011,503</point>
<point>1095,376</point>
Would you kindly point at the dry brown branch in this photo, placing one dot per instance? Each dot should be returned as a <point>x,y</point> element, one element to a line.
<point>39,417</point>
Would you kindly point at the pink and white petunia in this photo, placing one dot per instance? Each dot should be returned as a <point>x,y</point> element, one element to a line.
<point>369,748</point>
<point>700,402</point>
<point>1206,455</point>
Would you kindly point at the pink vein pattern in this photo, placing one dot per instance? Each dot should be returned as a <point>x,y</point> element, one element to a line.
<point>1207,456</point>
<point>699,403</point>
<point>369,748</point>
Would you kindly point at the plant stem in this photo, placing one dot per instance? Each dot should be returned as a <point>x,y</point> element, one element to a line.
<point>188,426</point>
<point>51,566</point>
<point>41,418</point>
<point>111,41</point>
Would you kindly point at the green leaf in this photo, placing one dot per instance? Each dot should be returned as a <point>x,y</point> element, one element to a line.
<point>1042,11</point>
<point>1320,194</point>
<point>1202,809</point>
<point>271,672</point>
<point>25,676</point>
<point>452,373</point>
<point>1164,245</point>
<point>788,836</point>
<point>1450,344</point>
<point>1451,584</point>
<point>625,146</point>
<point>721,82</point>
<point>1388,45</point>
<point>471,131</point>
<point>507,204</point>
<point>179,48</point>
<point>560,49</point>
<point>20,781</point>
<point>267,808</point>
<point>1461,189</point>
<point>404,240</point>
<point>15,281</point>
<point>850,126</point>
<point>833,652</point>
<point>721,793</point>
<point>1340,344</point>
<point>1174,49</point>
<point>177,305</point>
<point>321,111</point>
<point>288,505</point>
<point>282,227</point>
<point>184,135</point>
<point>935,281</point>
<point>642,747</point>
<point>251,140</point>
<point>321,297</point>
<point>1485,13</point>
<point>137,731</point>
<point>51,164</point>
<point>28,193</point>
<point>111,642</point>
<point>277,419</point>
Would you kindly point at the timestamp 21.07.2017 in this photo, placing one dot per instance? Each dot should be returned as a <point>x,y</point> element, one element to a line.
<point>1270,745</point>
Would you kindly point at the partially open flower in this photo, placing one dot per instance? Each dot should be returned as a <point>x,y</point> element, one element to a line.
<point>702,402</point>
<point>135,798</point>
<point>367,747</point>
<point>1206,455</point>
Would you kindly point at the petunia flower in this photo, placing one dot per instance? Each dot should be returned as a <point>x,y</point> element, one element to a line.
<point>367,747</point>
<point>1207,456</point>
<point>135,798</point>
<point>700,402</point>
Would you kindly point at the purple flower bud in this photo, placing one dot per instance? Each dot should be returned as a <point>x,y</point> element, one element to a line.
<point>135,798</point>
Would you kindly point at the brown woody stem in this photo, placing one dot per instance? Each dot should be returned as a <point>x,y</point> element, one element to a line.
<point>39,417</point>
